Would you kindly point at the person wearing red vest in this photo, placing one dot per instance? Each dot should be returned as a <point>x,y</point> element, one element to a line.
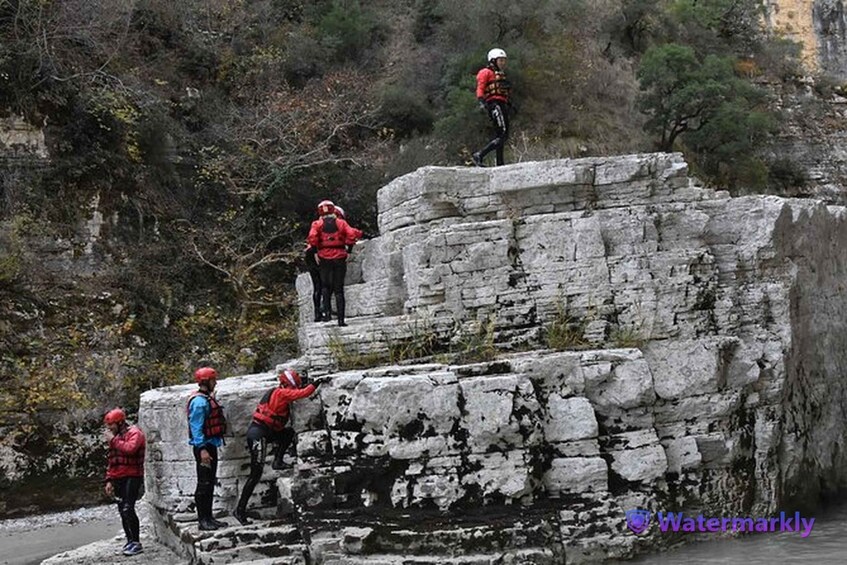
<point>332,237</point>
<point>206,428</point>
<point>493,92</point>
<point>125,473</point>
<point>269,424</point>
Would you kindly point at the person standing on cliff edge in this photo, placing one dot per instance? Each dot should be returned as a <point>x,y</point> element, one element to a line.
<point>312,266</point>
<point>269,424</point>
<point>206,428</point>
<point>125,474</point>
<point>493,92</point>
<point>332,237</point>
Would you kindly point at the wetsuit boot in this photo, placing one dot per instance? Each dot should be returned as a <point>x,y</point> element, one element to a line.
<point>203,520</point>
<point>240,513</point>
<point>340,305</point>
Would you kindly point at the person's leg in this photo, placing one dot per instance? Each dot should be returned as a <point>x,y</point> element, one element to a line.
<point>130,488</point>
<point>315,274</point>
<point>339,274</point>
<point>119,486</point>
<point>205,491</point>
<point>326,289</point>
<point>210,500</point>
<point>502,131</point>
<point>256,445</point>
<point>496,115</point>
<point>283,441</point>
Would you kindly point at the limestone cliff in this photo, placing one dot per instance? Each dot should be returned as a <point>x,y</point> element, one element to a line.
<point>820,26</point>
<point>732,403</point>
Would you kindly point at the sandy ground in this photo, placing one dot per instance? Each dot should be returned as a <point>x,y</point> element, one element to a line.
<point>34,539</point>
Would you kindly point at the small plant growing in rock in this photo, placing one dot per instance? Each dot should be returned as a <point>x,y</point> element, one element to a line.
<point>565,331</point>
<point>417,342</point>
<point>627,337</point>
<point>476,345</point>
<point>347,359</point>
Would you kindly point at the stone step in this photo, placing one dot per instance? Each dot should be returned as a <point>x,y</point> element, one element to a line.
<point>275,561</point>
<point>433,541</point>
<point>536,556</point>
<point>278,553</point>
<point>275,531</point>
<point>399,533</point>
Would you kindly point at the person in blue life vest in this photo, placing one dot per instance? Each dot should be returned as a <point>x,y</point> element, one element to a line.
<point>206,428</point>
<point>494,94</point>
<point>269,425</point>
<point>125,474</point>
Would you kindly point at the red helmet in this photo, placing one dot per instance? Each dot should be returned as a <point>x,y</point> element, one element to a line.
<point>115,416</point>
<point>339,211</point>
<point>289,378</point>
<point>326,207</point>
<point>204,374</point>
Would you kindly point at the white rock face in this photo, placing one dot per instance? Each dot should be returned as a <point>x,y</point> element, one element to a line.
<point>713,382</point>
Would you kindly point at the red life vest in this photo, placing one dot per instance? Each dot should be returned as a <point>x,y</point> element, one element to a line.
<point>498,87</point>
<point>215,423</point>
<point>330,235</point>
<point>123,464</point>
<point>267,417</point>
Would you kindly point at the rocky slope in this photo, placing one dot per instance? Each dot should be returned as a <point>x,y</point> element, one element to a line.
<point>727,399</point>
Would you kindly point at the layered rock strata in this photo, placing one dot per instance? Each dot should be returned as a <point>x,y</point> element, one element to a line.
<point>727,399</point>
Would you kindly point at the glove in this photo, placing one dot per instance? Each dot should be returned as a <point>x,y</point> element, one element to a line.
<point>514,108</point>
<point>318,381</point>
<point>483,107</point>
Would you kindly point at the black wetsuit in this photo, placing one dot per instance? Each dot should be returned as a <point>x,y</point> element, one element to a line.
<point>499,113</point>
<point>126,491</point>
<point>333,272</point>
<point>315,273</point>
<point>258,437</point>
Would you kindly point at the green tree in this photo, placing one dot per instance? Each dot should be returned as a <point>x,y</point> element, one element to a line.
<point>635,23</point>
<point>348,29</point>
<point>682,94</point>
<point>719,26</point>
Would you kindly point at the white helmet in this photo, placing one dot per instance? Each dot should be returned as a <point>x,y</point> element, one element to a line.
<point>495,54</point>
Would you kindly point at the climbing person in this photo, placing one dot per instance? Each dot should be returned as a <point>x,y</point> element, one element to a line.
<point>125,474</point>
<point>206,428</point>
<point>493,92</point>
<point>332,237</point>
<point>269,425</point>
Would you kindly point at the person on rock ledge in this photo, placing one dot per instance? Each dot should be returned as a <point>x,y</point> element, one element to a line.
<point>125,474</point>
<point>310,258</point>
<point>269,424</point>
<point>332,236</point>
<point>206,428</point>
<point>494,94</point>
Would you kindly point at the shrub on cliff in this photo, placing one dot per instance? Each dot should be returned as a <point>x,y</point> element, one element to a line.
<point>719,117</point>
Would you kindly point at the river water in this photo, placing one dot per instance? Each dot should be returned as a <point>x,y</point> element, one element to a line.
<point>26,541</point>
<point>826,545</point>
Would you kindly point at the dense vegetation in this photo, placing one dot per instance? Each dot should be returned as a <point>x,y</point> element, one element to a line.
<point>204,132</point>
